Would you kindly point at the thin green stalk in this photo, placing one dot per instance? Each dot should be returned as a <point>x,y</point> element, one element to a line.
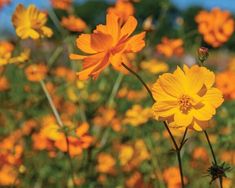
<point>115,89</point>
<point>140,79</point>
<point>61,125</point>
<point>55,55</point>
<point>213,156</point>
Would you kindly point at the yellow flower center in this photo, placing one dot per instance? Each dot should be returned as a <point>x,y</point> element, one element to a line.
<point>185,103</point>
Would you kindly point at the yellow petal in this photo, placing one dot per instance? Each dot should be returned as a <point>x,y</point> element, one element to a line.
<point>182,119</point>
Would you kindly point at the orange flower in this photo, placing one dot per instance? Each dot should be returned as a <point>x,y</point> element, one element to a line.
<point>216,26</point>
<point>77,143</point>
<point>106,163</point>
<point>172,177</point>
<point>4,84</point>
<point>36,72</point>
<point>61,4</point>
<point>123,9</point>
<point>73,23</point>
<point>225,82</point>
<point>170,47</point>
<point>6,49</point>
<point>107,45</point>
<point>3,3</point>
<point>8,175</point>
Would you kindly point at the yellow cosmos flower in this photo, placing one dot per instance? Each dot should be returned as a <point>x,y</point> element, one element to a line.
<point>30,22</point>
<point>186,98</point>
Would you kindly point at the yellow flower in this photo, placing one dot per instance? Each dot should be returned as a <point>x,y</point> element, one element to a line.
<point>154,66</point>
<point>6,52</point>
<point>30,22</point>
<point>186,98</point>
<point>133,115</point>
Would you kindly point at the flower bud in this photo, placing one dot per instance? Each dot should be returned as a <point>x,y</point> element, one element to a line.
<point>203,54</point>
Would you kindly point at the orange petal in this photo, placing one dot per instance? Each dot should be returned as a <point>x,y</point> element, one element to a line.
<point>136,43</point>
<point>84,43</point>
<point>76,57</point>
<point>129,27</point>
<point>101,42</point>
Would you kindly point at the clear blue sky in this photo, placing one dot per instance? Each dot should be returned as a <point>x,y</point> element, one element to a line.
<point>6,12</point>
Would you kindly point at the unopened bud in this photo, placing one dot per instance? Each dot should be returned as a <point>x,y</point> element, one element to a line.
<point>203,54</point>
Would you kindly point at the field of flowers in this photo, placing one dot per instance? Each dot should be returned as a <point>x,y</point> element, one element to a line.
<point>122,94</point>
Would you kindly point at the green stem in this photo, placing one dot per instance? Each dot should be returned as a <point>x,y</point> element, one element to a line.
<point>115,89</point>
<point>140,79</point>
<point>213,156</point>
<point>178,150</point>
<point>61,125</point>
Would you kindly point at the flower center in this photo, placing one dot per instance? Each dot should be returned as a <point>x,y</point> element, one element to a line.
<point>185,103</point>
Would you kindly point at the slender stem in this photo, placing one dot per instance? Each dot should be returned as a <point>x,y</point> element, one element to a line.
<point>183,139</point>
<point>214,157</point>
<point>141,80</point>
<point>61,125</point>
<point>177,148</point>
<point>212,151</point>
<point>115,89</point>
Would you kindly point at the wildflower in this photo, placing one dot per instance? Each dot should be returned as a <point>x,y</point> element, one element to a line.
<point>81,140</point>
<point>73,23</point>
<point>133,116</point>
<point>172,177</point>
<point>225,82</point>
<point>61,4</point>
<point>123,9</point>
<point>170,47</point>
<point>3,3</point>
<point>36,72</point>
<point>6,49</point>
<point>8,175</point>
<point>216,26</point>
<point>4,84</point>
<point>186,98</point>
<point>154,66</point>
<point>107,45</point>
<point>106,163</point>
<point>132,155</point>
<point>30,22</point>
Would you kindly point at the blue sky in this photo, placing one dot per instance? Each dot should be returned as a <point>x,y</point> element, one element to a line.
<point>6,12</point>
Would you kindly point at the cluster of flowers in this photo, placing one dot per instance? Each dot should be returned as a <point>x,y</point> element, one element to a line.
<point>184,99</point>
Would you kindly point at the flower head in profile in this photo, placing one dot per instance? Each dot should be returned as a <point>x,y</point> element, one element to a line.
<point>108,44</point>
<point>73,23</point>
<point>30,22</point>
<point>186,98</point>
<point>216,26</point>
<point>123,9</point>
<point>170,47</point>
